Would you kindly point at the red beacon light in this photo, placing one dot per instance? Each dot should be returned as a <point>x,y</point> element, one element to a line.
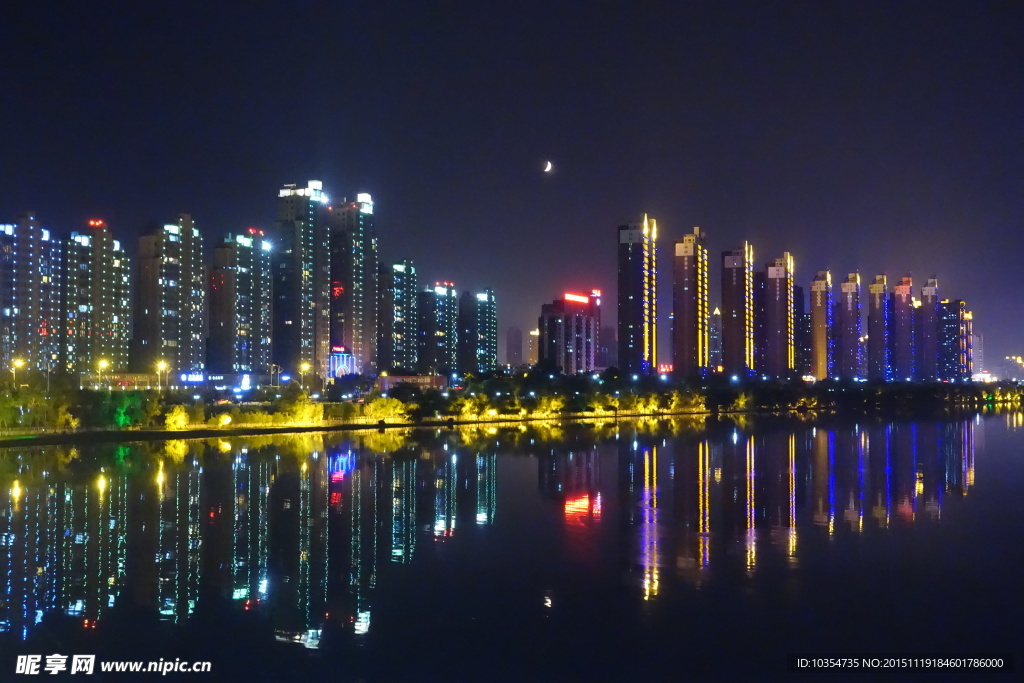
<point>96,223</point>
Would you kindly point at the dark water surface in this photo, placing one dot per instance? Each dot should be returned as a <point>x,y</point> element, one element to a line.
<point>658,551</point>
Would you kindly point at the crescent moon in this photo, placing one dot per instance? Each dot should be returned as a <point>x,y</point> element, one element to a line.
<point>547,169</point>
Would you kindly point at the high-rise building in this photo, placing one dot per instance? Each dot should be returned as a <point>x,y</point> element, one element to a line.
<point>301,270</point>
<point>955,341</point>
<point>569,329</point>
<point>31,275</point>
<point>437,310</point>
<point>760,343</point>
<point>354,286</point>
<point>779,349</point>
<point>928,331</point>
<point>801,332</point>
<point>638,296</point>
<point>879,313</point>
<point>533,347</point>
<point>170,315</point>
<point>849,345</point>
<point>901,337</point>
<point>478,333</point>
<point>738,310</point>
<point>397,319</point>
<point>821,325</point>
<point>487,331</point>
<point>240,305</point>
<point>715,339</point>
<point>978,352</point>
<point>690,343</point>
<point>607,348</point>
<point>514,347</point>
<point>97,300</point>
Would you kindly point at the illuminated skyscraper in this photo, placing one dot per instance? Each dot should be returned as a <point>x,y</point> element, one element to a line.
<point>98,302</point>
<point>569,329</point>
<point>760,285</point>
<point>928,331</point>
<point>354,292</point>
<point>690,343</point>
<point>240,299</point>
<point>879,309</point>
<point>638,297</point>
<point>779,353</point>
<point>901,338</point>
<point>801,332</point>
<point>487,331</point>
<point>398,288</point>
<point>467,335</point>
<point>31,294</point>
<point>849,347</point>
<point>821,325</point>
<point>437,309</point>
<point>478,332</point>
<point>301,270</point>
<point>738,310</point>
<point>169,319</point>
<point>955,341</point>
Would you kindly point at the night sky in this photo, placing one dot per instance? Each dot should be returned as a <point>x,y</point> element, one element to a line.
<point>871,136</point>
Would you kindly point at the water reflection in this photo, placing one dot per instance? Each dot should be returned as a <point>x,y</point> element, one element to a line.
<point>306,529</point>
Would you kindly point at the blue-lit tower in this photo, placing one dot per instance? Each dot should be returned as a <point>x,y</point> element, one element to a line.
<point>396,346</point>
<point>437,309</point>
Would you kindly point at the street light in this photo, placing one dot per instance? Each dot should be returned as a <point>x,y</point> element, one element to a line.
<point>15,365</point>
<point>103,364</point>
<point>303,369</point>
<point>161,366</point>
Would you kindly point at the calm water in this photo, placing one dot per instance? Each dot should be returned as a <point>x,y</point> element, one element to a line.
<point>662,551</point>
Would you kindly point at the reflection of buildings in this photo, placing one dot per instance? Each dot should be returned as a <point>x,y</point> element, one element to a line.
<point>251,486</point>
<point>486,487</point>
<point>302,533</point>
<point>403,510</point>
<point>178,543</point>
<point>640,495</point>
<point>445,488</point>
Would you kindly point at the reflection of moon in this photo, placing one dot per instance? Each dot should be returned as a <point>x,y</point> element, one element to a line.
<point>547,169</point>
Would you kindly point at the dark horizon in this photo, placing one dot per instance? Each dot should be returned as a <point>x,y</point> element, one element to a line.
<point>876,138</point>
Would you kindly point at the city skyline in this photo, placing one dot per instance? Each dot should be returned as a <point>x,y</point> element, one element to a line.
<point>892,147</point>
<point>217,317</point>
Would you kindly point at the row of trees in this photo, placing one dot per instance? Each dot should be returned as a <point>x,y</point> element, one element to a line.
<point>534,394</point>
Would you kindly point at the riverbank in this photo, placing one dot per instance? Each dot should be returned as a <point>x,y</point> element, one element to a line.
<point>116,417</point>
<point>48,438</point>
